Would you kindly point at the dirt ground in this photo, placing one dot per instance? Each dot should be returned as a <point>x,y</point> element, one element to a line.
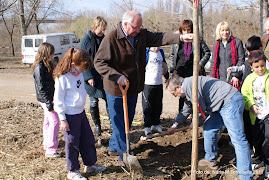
<point>22,156</point>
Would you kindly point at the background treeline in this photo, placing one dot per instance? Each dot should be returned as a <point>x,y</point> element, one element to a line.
<point>164,15</point>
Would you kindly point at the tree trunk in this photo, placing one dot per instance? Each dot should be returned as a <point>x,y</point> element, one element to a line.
<point>196,51</point>
<point>11,39</point>
<point>200,16</point>
<point>12,46</point>
<point>22,19</point>
<point>36,24</point>
<point>265,10</point>
<point>261,16</point>
<point>10,34</point>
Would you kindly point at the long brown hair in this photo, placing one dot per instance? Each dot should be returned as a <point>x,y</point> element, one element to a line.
<point>45,50</point>
<point>74,55</point>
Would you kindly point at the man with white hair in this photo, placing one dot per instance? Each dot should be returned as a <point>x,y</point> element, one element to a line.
<point>121,58</point>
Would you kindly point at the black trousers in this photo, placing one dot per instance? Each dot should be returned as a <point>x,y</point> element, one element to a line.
<point>260,140</point>
<point>152,104</point>
<point>181,103</point>
<point>248,127</point>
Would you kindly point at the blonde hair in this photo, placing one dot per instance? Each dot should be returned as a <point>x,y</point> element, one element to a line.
<point>222,24</point>
<point>45,50</point>
<point>98,21</point>
<point>74,55</point>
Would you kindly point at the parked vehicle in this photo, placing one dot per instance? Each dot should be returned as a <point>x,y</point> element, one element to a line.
<point>61,42</point>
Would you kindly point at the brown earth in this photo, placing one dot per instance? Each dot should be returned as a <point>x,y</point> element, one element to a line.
<point>22,156</point>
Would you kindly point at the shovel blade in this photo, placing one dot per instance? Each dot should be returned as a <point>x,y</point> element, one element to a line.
<point>132,163</point>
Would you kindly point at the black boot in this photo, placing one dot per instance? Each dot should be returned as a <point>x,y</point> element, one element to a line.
<point>96,119</point>
<point>110,125</point>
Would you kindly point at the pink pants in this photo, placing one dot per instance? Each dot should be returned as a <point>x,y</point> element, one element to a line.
<point>50,130</point>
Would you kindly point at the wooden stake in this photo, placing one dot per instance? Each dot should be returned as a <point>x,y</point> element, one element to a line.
<point>196,51</point>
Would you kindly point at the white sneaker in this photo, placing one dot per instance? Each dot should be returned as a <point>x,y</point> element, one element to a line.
<point>266,171</point>
<point>53,155</point>
<point>75,175</point>
<point>157,128</point>
<point>148,131</point>
<point>94,168</point>
<point>257,165</point>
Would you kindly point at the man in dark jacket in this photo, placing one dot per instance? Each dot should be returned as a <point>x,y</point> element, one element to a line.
<point>225,106</point>
<point>121,57</point>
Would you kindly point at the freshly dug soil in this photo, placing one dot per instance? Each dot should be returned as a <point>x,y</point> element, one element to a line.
<point>22,156</point>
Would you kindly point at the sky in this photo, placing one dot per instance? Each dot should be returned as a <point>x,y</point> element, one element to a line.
<point>140,5</point>
<point>105,5</point>
<point>91,4</point>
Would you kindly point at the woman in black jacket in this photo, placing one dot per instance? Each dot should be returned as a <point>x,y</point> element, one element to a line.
<point>93,80</point>
<point>181,56</point>
<point>44,85</point>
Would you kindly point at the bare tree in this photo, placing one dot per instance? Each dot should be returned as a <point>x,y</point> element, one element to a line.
<point>261,16</point>
<point>37,10</point>
<point>200,19</point>
<point>125,5</point>
<point>5,5</point>
<point>264,13</point>
<point>10,32</point>
<point>43,10</point>
<point>26,19</point>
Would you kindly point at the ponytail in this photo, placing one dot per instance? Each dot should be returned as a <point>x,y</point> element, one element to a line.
<point>76,56</point>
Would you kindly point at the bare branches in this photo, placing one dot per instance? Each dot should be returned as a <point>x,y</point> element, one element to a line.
<point>235,7</point>
<point>183,2</point>
<point>3,8</point>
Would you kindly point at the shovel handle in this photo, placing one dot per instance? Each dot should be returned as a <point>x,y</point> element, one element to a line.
<point>228,76</point>
<point>124,90</point>
<point>166,133</point>
<point>125,107</point>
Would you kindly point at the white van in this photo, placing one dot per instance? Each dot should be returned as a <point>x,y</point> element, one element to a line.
<point>61,42</point>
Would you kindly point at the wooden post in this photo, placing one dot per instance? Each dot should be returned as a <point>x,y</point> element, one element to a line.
<point>196,51</point>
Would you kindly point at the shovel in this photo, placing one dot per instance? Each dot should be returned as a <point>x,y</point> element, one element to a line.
<point>129,160</point>
<point>228,76</point>
<point>143,138</point>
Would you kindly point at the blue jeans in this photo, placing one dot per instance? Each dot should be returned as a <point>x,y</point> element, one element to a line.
<point>230,115</point>
<point>117,140</point>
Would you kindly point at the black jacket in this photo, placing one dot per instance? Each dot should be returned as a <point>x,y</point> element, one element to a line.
<point>97,90</point>
<point>183,67</point>
<point>44,85</point>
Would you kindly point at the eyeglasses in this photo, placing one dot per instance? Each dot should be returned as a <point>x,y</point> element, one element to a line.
<point>135,28</point>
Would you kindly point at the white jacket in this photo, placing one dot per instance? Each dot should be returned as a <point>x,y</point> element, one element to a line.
<point>69,95</point>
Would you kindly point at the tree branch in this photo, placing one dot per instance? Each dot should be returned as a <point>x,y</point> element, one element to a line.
<point>185,4</point>
<point>239,8</point>
<point>3,10</point>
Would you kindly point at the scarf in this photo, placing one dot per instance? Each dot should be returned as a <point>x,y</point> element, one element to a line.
<point>187,50</point>
<point>95,44</point>
<point>74,72</point>
<point>216,60</point>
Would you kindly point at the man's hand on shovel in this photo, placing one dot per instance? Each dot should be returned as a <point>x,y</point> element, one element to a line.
<point>122,81</point>
<point>172,129</point>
